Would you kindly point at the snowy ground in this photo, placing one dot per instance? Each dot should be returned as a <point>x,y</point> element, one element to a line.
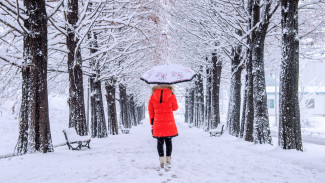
<point>133,158</point>
<point>196,158</point>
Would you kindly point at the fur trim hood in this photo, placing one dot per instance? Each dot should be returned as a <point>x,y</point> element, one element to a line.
<point>170,87</point>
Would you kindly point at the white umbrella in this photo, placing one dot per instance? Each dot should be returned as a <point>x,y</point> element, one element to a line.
<point>168,74</point>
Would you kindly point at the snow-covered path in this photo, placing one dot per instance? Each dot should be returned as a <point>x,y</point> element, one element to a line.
<point>196,158</point>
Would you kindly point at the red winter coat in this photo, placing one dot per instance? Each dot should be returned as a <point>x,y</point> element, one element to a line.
<point>162,103</point>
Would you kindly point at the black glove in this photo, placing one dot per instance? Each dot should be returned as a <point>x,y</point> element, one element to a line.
<point>151,121</point>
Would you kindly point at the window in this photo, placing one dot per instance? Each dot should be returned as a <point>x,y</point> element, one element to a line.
<point>270,103</point>
<point>310,103</point>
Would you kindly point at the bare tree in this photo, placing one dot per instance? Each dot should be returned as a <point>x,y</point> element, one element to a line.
<point>261,16</point>
<point>77,116</point>
<point>289,124</point>
<point>98,123</point>
<point>123,108</point>
<point>34,126</point>
<point>110,87</point>
<point>233,117</point>
<point>208,97</point>
<point>215,91</point>
<point>248,109</point>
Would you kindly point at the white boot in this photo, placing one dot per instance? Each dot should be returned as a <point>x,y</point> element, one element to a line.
<point>162,161</point>
<point>168,160</point>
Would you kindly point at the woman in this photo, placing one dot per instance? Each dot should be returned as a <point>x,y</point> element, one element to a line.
<point>162,103</point>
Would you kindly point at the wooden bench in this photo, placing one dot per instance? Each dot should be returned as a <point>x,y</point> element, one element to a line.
<point>216,132</point>
<point>82,141</point>
<point>125,131</point>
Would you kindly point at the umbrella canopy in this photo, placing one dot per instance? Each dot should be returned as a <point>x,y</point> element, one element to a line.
<point>168,74</point>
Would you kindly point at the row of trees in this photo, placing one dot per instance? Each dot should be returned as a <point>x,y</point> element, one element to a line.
<point>112,42</point>
<point>99,40</point>
<point>233,34</point>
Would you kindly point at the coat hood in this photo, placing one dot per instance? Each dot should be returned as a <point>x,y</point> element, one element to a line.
<point>170,87</point>
<point>162,93</point>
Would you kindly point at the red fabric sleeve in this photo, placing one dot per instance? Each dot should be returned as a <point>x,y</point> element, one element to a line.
<point>151,110</point>
<point>174,105</point>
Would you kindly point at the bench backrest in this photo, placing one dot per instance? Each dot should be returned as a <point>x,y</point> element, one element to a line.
<point>65,135</point>
<point>72,136</point>
<point>218,129</point>
<point>222,128</point>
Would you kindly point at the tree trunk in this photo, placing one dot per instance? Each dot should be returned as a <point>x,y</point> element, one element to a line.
<point>216,77</point>
<point>143,111</point>
<point>98,123</point>
<point>139,114</point>
<point>187,103</point>
<point>132,110</point>
<point>248,117</point>
<point>200,100</point>
<point>34,125</point>
<point>111,107</point>
<point>261,119</point>
<point>77,117</point>
<point>249,105</point>
<point>233,118</point>
<point>196,103</point>
<point>208,98</point>
<point>191,106</point>
<point>242,121</point>
<point>123,106</point>
<point>289,125</point>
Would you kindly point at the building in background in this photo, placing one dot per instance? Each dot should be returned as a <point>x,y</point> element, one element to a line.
<point>311,91</point>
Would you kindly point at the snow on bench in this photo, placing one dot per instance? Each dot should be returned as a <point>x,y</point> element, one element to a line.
<point>217,132</point>
<point>72,137</point>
